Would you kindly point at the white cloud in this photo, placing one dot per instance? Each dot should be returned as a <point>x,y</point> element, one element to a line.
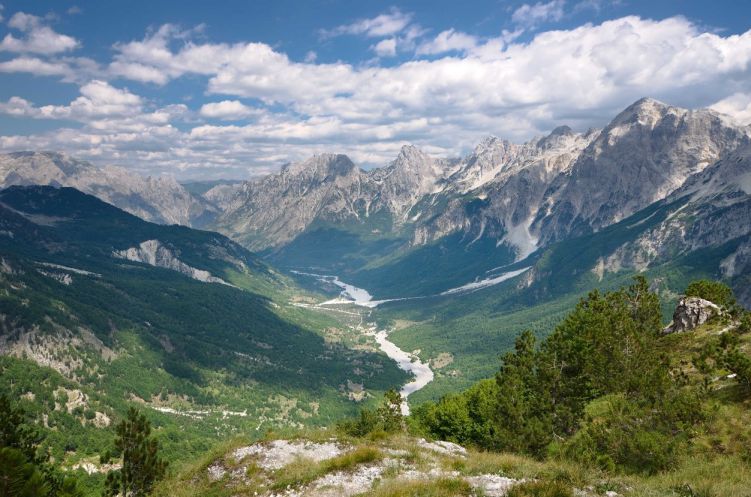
<point>385,48</point>
<point>310,57</point>
<point>24,22</point>
<point>532,15</point>
<point>581,77</point>
<point>737,105</point>
<point>377,27</point>
<point>98,100</point>
<point>227,109</point>
<point>17,106</point>
<point>138,72</point>
<point>35,66</point>
<point>37,37</point>
<point>448,41</point>
<point>69,69</point>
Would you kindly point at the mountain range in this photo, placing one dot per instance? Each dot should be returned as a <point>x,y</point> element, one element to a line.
<point>462,216</point>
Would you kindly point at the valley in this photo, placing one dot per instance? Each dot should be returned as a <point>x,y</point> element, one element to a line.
<point>350,302</point>
<point>298,301</point>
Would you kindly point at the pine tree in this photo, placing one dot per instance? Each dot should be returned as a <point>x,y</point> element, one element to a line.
<point>390,411</point>
<point>142,466</point>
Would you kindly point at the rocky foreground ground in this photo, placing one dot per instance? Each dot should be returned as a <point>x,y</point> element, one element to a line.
<point>322,465</point>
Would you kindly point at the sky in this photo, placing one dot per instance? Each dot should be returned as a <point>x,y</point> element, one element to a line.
<point>234,89</point>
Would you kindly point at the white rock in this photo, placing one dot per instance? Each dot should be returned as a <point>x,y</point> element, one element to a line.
<point>279,453</point>
<point>492,485</point>
<point>690,313</point>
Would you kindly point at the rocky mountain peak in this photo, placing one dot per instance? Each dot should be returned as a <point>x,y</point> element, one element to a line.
<point>414,170</point>
<point>643,110</point>
<point>50,166</point>
<point>562,131</point>
<point>321,166</point>
<point>489,145</point>
<point>646,153</point>
<point>412,158</point>
<point>562,136</point>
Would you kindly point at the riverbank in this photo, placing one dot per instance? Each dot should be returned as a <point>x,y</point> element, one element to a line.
<point>359,297</point>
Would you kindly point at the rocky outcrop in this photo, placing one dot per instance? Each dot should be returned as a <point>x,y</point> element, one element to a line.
<point>690,313</point>
<point>154,253</point>
<point>342,469</point>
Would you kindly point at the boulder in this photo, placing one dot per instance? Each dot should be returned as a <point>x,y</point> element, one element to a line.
<point>690,313</point>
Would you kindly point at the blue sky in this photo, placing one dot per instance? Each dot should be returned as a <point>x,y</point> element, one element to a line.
<point>236,88</point>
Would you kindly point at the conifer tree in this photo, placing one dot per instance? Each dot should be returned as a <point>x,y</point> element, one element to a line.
<point>142,466</point>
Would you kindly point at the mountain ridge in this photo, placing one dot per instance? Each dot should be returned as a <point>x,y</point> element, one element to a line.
<point>328,213</point>
<point>160,199</point>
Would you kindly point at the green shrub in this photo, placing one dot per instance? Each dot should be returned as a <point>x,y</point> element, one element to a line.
<point>744,325</point>
<point>625,435</point>
<point>597,390</point>
<point>386,418</point>
<point>715,292</point>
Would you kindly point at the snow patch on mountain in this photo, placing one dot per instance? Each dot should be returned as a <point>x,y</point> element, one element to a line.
<point>520,237</point>
<point>744,181</point>
<point>484,283</point>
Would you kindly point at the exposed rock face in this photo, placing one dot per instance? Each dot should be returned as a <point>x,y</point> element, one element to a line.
<point>278,453</point>
<point>646,153</point>
<point>221,195</point>
<point>690,313</point>
<point>153,253</point>
<point>392,467</point>
<point>161,200</point>
<point>426,197</point>
<point>410,177</point>
<point>522,195</point>
<point>712,207</point>
<point>275,209</point>
<point>508,201</point>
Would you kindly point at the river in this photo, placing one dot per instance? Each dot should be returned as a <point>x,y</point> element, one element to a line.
<point>407,361</point>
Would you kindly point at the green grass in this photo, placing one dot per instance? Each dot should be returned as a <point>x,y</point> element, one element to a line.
<point>442,487</point>
<point>303,471</point>
<point>541,489</point>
